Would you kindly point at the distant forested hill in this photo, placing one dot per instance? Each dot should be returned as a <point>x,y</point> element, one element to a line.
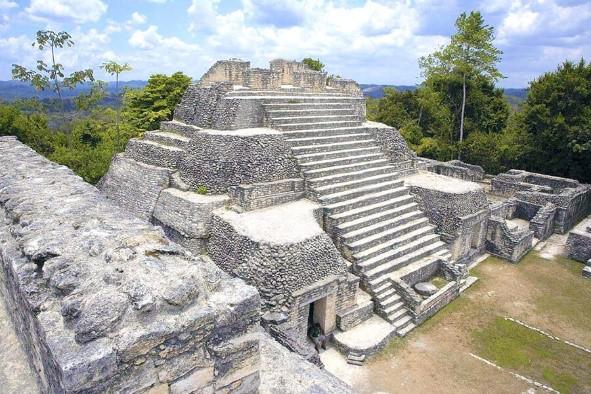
<point>514,95</point>
<point>11,90</point>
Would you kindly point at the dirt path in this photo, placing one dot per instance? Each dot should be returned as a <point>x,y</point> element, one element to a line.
<point>435,358</point>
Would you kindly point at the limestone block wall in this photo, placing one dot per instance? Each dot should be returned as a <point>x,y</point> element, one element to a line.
<point>234,70</point>
<point>103,301</point>
<point>219,159</point>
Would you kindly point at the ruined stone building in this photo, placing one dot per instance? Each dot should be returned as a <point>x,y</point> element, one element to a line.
<point>269,177</point>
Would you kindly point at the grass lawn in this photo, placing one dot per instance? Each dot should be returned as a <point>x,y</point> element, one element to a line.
<point>548,294</point>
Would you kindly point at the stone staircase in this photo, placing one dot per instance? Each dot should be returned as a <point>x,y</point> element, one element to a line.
<point>163,147</point>
<point>369,213</point>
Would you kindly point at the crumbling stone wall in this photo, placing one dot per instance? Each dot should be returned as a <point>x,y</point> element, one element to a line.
<point>571,198</point>
<point>456,169</point>
<point>507,244</point>
<point>104,302</point>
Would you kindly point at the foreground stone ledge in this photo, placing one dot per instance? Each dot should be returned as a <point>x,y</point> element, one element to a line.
<point>103,302</point>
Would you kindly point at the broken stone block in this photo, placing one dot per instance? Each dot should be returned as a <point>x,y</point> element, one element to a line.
<point>587,272</point>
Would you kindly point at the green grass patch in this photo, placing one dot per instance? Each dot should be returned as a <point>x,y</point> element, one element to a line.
<point>534,355</point>
<point>439,281</point>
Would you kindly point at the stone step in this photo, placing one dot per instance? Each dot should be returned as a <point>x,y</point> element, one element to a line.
<point>328,139</point>
<point>360,191</point>
<point>274,113</point>
<point>405,330</point>
<point>417,250</point>
<point>383,289</point>
<point>283,92</point>
<point>365,210</point>
<point>392,299</point>
<point>330,155</point>
<point>358,174</point>
<point>365,200</point>
<point>381,238</point>
<point>385,292</point>
<point>280,121</point>
<point>318,125</point>
<point>154,153</point>
<point>167,138</point>
<point>349,185</point>
<point>332,172</point>
<point>356,356</point>
<point>301,150</point>
<point>283,106</point>
<point>339,161</point>
<point>381,221</point>
<point>395,311</point>
<point>402,320</point>
<point>179,128</point>
<point>420,264</point>
<point>325,132</point>
<point>365,257</point>
<point>298,99</point>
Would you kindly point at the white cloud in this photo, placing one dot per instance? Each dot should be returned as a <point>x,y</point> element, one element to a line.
<point>77,11</point>
<point>7,4</point>
<point>151,39</point>
<point>137,18</point>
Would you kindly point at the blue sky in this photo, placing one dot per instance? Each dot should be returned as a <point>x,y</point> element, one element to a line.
<point>370,41</point>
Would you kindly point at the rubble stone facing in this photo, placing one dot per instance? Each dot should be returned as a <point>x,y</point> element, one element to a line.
<point>102,300</point>
<point>219,160</point>
<point>390,141</point>
<point>134,186</point>
<point>277,270</point>
<point>578,243</point>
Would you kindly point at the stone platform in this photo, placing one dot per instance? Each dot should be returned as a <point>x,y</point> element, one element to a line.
<point>366,338</point>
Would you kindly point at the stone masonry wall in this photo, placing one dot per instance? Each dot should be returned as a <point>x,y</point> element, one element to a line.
<point>277,270</point>
<point>219,160</point>
<point>103,302</point>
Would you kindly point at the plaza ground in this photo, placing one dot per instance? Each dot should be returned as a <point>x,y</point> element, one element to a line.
<point>544,290</point>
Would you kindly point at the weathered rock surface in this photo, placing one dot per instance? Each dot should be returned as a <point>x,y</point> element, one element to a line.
<point>426,288</point>
<point>103,301</point>
<point>587,271</point>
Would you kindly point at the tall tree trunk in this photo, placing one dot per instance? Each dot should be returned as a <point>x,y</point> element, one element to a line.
<point>118,106</point>
<point>59,95</point>
<point>462,117</point>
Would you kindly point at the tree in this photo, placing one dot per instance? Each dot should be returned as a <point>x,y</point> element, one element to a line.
<point>146,108</point>
<point>470,54</point>
<point>557,118</point>
<point>313,64</point>
<point>114,68</point>
<point>51,76</point>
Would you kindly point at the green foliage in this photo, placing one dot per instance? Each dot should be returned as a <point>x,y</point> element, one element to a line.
<point>51,75</point>
<point>470,55</point>
<point>201,189</point>
<point>145,108</point>
<point>313,64</point>
<point>557,118</point>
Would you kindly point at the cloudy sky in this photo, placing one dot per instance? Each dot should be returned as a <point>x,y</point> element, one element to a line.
<point>372,41</point>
